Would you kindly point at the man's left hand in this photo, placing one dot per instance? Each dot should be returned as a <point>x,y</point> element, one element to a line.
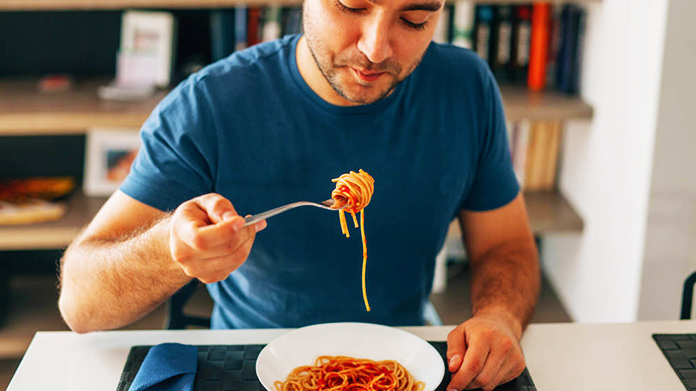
<point>484,352</point>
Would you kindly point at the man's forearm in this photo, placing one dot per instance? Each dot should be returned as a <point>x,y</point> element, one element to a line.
<point>106,283</point>
<point>506,281</point>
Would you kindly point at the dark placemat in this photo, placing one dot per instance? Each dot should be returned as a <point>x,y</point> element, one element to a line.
<point>233,368</point>
<point>680,351</point>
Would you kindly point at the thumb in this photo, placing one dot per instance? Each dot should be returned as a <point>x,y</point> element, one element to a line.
<point>456,348</point>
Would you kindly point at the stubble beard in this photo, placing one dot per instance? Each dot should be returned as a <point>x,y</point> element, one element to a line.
<point>328,66</point>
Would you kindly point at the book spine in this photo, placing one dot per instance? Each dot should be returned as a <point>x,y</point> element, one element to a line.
<point>271,24</point>
<point>502,60</point>
<point>568,49</point>
<point>463,24</point>
<point>221,33</point>
<point>539,46</point>
<point>240,27</point>
<point>554,46</point>
<point>483,32</point>
<point>574,84</point>
<point>253,26</point>
<point>522,32</point>
<point>442,30</point>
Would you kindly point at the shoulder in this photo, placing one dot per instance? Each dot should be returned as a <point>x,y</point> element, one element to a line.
<point>459,67</point>
<point>231,76</point>
<point>258,58</point>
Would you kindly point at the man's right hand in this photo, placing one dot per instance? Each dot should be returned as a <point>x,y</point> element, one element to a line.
<point>208,239</point>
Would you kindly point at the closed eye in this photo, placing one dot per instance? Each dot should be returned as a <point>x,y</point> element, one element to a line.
<point>415,26</point>
<point>343,8</point>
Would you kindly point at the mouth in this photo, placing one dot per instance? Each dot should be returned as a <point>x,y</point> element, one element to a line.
<point>367,76</point>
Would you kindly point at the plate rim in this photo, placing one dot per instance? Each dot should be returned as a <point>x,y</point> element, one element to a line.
<point>268,346</point>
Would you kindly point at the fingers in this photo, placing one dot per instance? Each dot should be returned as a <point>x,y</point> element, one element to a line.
<point>490,356</point>
<point>456,348</point>
<point>216,207</point>
<point>220,263</point>
<point>472,365</point>
<point>208,238</point>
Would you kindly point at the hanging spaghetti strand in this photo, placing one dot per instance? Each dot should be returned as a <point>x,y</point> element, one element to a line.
<point>354,191</point>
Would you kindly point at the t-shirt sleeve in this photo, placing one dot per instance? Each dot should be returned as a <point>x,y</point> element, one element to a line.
<point>494,184</point>
<point>176,160</point>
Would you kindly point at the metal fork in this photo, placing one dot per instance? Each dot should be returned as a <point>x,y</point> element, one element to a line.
<point>270,213</point>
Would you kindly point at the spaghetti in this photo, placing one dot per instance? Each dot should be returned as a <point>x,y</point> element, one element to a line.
<point>341,373</point>
<point>353,193</point>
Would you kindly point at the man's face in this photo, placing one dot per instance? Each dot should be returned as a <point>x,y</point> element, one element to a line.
<point>364,48</point>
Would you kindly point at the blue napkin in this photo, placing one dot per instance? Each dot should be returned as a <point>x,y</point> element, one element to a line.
<point>167,367</point>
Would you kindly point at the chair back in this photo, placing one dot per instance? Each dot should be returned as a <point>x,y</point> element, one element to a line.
<point>688,296</point>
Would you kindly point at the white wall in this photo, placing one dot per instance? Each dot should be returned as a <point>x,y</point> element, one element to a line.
<point>670,246</point>
<point>607,163</point>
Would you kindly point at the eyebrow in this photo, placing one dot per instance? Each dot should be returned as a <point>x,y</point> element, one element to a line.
<point>432,5</point>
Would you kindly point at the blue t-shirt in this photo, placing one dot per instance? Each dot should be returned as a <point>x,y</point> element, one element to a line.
<point>250,128</point>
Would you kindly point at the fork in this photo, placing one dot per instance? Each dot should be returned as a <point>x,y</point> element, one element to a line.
<point>270,213</point>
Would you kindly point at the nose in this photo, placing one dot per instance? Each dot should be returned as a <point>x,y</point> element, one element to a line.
<point>374,41</point>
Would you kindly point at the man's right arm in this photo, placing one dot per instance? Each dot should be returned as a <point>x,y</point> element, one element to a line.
<point>132,257</point>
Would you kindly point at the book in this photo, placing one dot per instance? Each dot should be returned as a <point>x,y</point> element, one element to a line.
<point>569,58</point>
<point>521,36</point>
<point>501,63</point>
<point>538,57</point>
<point>554,46</point>
<point>33,200</point>
<point>463,24</point>
<point>520,144</point>
<point>271,23</point>
<point>253,26</point>
<point>240,27</point>
<point>30,211</point>
<point>222,33</point>
<point>484,38</point>
<point>442,30</point>
<point>292,20</point>
<point>535,149</point>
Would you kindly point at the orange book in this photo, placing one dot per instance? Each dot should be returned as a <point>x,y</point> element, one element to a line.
<point>538,56</point>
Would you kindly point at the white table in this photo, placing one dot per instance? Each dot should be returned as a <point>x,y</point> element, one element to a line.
<point>562,356</point>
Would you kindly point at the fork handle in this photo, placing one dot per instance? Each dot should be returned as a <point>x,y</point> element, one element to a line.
<point>270,213</point>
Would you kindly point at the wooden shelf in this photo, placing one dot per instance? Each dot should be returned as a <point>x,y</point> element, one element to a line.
<point>521,103</point>
<point>52,235</point>
<point>549,212</point>
<point>25,111</point>
<point>61,5</point>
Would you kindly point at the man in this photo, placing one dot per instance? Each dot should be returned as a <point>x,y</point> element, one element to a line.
<point>362,88</point>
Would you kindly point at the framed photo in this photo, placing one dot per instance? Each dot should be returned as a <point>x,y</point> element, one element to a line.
<point>108,158</point>
<point>147,49</point>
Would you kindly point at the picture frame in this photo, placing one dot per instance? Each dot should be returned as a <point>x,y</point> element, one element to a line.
<point>109,154</point>
<point>146,51</point>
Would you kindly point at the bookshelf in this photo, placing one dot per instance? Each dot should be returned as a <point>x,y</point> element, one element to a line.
<point>62,5</point>
<point>548,212</point>
<point>25,111</point>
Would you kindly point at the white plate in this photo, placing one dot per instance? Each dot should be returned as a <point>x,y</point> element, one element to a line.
<point>358,340</point>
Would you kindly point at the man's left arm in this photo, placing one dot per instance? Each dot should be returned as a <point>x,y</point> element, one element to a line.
<point>485,351</point>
